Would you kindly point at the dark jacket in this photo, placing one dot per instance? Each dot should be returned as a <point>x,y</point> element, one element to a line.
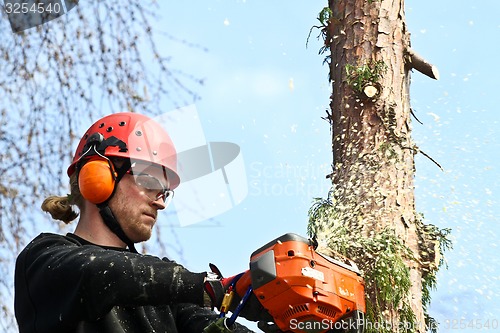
<point>66,284</point>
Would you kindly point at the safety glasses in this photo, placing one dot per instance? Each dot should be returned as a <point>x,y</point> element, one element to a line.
<point>152,186</point>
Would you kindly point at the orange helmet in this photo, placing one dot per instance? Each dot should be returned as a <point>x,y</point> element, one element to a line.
<point>141,139</point>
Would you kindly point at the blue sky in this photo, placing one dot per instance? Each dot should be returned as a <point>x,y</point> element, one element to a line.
<point>265,91</point>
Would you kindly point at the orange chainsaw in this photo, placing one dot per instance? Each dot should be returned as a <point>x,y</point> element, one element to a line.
<point>306,291</point>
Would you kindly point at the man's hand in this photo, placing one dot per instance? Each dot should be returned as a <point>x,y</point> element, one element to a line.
<point>215,289</point>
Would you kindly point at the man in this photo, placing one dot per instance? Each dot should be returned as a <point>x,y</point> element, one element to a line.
<point>93,280</point>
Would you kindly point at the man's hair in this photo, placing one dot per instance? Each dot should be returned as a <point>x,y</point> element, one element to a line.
<point>62,207</point>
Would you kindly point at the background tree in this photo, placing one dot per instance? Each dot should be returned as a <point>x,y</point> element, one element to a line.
<point>370,213</point>
<point>56,79</point>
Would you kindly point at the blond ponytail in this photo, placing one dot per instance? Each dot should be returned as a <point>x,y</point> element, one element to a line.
<point>59,208</point>
<point>62,207</point>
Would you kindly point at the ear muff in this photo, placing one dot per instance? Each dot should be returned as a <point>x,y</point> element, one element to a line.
<point>96,180</point>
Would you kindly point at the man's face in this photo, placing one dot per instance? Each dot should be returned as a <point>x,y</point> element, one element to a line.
<point>135,204</point>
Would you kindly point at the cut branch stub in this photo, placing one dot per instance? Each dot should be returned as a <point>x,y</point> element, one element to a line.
<point>371,90</point>
<point>423,66</point>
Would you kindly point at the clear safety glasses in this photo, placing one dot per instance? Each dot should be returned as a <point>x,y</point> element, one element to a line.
<point>151,185</point>
<point>153,188</point>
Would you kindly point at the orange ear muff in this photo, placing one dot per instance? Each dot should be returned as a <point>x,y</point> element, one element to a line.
<point>96,180</point>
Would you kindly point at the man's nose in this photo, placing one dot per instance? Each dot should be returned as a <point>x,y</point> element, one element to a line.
<point>159,204</point>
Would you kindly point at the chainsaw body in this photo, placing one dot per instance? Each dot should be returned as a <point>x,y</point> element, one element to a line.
<point>305,291</point>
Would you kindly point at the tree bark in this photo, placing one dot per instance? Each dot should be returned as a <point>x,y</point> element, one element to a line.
<point>373,153</point>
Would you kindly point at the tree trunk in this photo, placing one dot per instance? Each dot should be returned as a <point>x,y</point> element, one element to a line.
<point>373,155</point>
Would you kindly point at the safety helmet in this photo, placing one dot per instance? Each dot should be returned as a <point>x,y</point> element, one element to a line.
<point>140,139</point>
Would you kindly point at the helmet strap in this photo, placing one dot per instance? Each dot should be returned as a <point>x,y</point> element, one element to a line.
<point>100,144</point>
<point>113,225</point>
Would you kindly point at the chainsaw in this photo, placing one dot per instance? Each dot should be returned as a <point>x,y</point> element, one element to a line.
<point>304,290</point>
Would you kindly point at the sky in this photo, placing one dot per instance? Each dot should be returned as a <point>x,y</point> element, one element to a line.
<point>265,91</point>
<point>263,97</point>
